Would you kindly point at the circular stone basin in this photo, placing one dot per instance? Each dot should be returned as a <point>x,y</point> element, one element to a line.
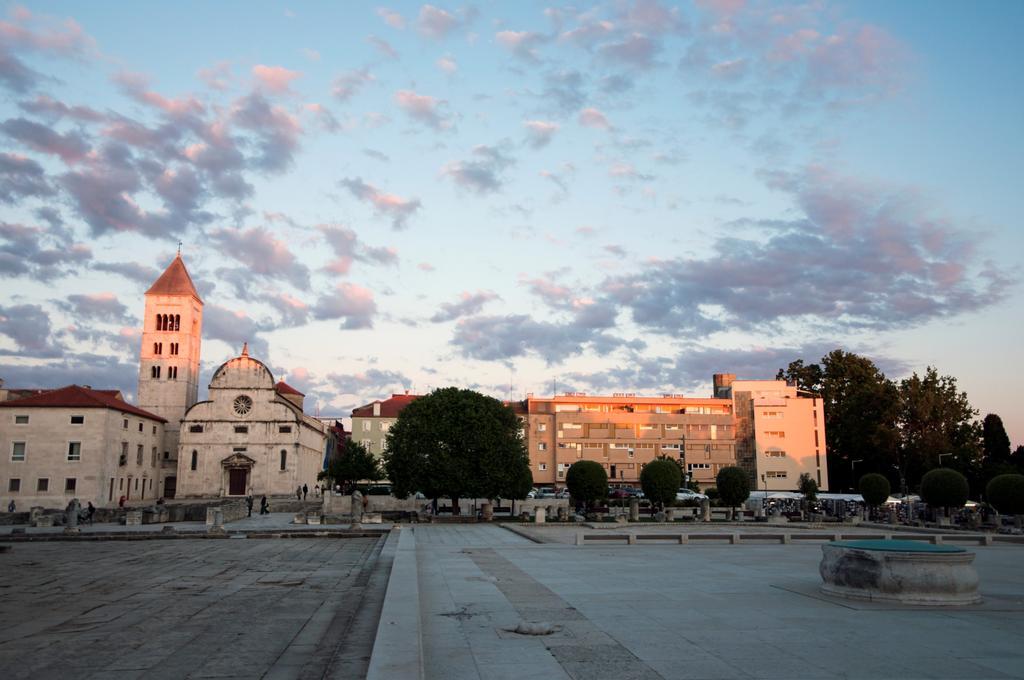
<point>907,572</point>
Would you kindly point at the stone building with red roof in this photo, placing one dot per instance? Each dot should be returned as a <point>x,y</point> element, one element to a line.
<point>371,422</point>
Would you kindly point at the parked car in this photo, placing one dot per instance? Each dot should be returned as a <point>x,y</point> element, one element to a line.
<point>379,490</point>
<point>689,495</point>
<point>618,493</point>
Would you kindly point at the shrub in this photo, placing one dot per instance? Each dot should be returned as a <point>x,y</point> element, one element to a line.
<point>808,487</point>
<point>587,481</point>
<point>875,489</point>
<point>944,488</point>
<point>1006,494</point>
<point>733,486</point>
<point>660,480</point>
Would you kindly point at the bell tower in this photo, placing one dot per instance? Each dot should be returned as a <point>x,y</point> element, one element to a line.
<point>169,357</point>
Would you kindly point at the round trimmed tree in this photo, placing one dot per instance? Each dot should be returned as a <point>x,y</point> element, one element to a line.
<point>875,489</point>
<point>1006,494</point>
<point>587,482</point>
<point>944,488</point>
<point>733,486</point>
<point>660,481</point>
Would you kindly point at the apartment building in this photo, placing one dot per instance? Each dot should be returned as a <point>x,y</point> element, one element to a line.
<point>624,432</point>
<point>780,431</point>
<point>371,422</point>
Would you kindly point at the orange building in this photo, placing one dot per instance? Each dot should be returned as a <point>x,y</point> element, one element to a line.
<point>624,432</point>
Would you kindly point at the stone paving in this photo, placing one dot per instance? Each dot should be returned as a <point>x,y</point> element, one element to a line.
<point>693,611</point>
<point>190,608</point>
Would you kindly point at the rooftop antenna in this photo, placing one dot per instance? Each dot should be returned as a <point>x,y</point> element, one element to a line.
<point>179,248</point>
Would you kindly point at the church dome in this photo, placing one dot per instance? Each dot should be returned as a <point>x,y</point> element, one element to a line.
<point>243,372</point>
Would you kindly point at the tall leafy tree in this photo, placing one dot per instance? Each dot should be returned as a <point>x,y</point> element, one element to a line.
<point>995,442</point>
<point>805,377</point>
<point>456,443</point>
<point>352,464</point>
<point>860,406</point>
<point>935,418</point>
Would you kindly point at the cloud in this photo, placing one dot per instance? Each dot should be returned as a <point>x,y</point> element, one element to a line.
<point>103,307</point>
<point>435,23</point>
<point>22,177</point>
<point>274,79</point>
<point>373,382</point>
<point>423,108</point>
<point>39,253</point>
<point>291,311</point>
<point>217,77</point>
<point>858,255</point>
<point>47,35</point>
<point>391,18</point>
<point>235,328</point>
<point>29,327</point>
<point>15,75</point>
<point>467,304</point>
<point>351,303</point>
<point>447,64</point>
<point>397,209</point>
<point>130,270</point>
<point>540,132</point>
<point>426,267</point>
<point>262,254</point>
<point>522,44</point>
<point>383,46</point>
<point>99,371</point>
<point>275,131</point>
<point>480,174</point>
<point>593,118</point>
<point>563,91</point>
<point>136,86</point>
<point>55,110</point>
<point>499,338</point>
<point>635,50</point>
<point>69,147</point>
<point>347,248</point>
<point>347,84</point>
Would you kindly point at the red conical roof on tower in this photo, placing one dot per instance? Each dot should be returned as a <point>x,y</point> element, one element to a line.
<point>174,281</point>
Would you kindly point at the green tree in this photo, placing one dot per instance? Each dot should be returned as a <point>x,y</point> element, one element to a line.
<point>351,465</point>
<point>587,482</point>
<point>660,480</point>
<point>875,489</point>
<point>1006,494</point>
<point>805,377</point>
<point>733,486</point>
<point>936,419</point>
<point>808,487</point>
<point>944,488</point>
<point>995,442</point>
<point>456,443</point>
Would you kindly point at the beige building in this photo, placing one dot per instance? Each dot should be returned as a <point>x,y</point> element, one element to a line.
<point>625,432</point>
<point>370,423</point>
<point>250,436</point>
<point>77,442</point>
<point>780,432</point>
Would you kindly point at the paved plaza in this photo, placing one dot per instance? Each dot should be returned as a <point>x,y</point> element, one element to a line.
<point>480,601</point>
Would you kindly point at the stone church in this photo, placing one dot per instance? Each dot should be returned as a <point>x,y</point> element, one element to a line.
<point>250,436</point>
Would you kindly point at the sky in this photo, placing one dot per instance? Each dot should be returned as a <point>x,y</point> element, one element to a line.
<point>518,198</point>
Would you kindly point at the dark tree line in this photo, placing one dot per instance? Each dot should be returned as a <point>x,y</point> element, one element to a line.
<point>901,429</point>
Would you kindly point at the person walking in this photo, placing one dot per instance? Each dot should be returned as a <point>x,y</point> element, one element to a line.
<point>263,506</point>
<point>316,491</point>
<point>305,491</point>
<point>298,493</point>
<point>248,504</point>
<point>10,506</point>
<point>90,512</point>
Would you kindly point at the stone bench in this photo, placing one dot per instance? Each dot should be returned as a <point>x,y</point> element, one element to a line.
<point>906,572</point>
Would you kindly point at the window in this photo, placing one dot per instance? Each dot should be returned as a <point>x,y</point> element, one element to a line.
<point>14,485</point>
<point>542,466</point>
<point>21,420</point>
<point>367,426</point>
<point>74,451</point>
<point>174,348</point>
<point>816,438</point>
<point>195,428</point>
<point>124,454</point>
<point>140,427</point>
<point>18,452</point>
<point>195,459</point>
<point>630,454</point>
<point>285,429</point>
<point>167,455</point>
<point>284,459</point>
<point>572,426</point>
<point>542,446</point>
<point>177,322</point>
<point>698,466</point>
<point>778,434</point>
<point>671,427</point>
<point>775,453</point>
<point>542,427</point>
<point>138,455</point>
<point>817,457</point>
<point>70,484</point>
<point>241,429</point>
<point>154,456</point>
<point>368,444</point>
<point>42,484</point>
<point>172,372</point>
<point>648,427</point>
<point>156,348</point>
<point>77,420</point>
<point>124,425</point>
<point>771,414</point>
<point>776,474</point>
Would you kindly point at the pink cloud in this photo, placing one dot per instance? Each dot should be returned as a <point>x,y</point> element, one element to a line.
<point>276,79</point>
<point>540,132</point>
<point>435,23</point>
<point>136,86</point>
<point>593,118</point>
<point>422,108</point>
<point>391,18</point>
<point>64,38</point>
<point>397,208</point>
<point>522,44</point>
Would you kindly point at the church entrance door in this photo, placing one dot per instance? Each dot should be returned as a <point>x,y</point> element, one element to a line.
<point>170,487</point>
<point>236,481</point>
